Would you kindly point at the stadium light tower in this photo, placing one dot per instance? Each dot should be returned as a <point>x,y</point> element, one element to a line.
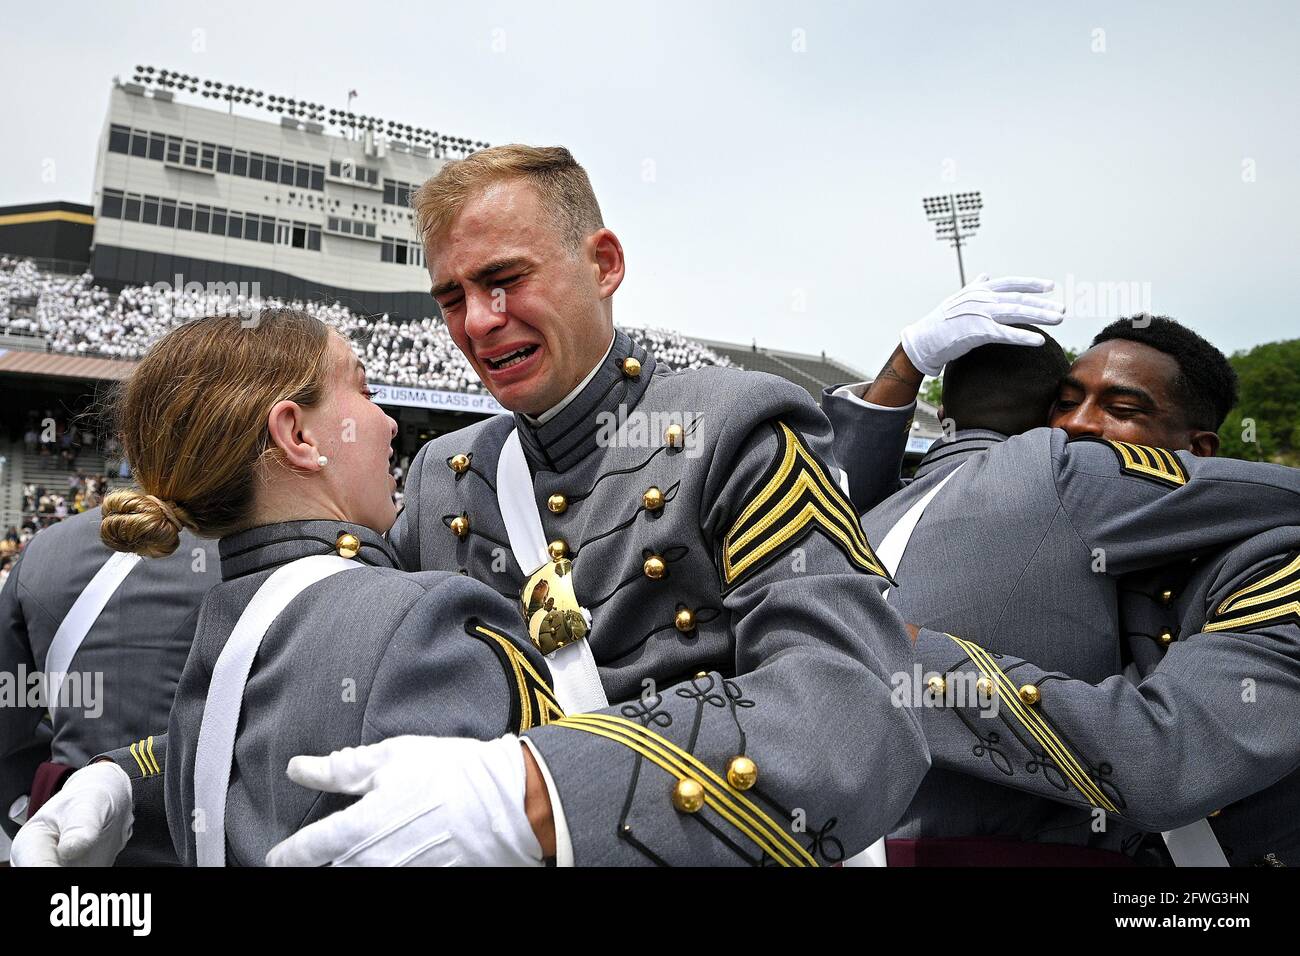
<point>955,217</point>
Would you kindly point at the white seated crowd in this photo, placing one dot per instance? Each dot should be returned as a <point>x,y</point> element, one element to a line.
<point>70,314</point>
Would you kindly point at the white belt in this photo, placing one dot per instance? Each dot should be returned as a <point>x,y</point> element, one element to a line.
<point>1195,845</point>
<point>573,667</point>
<point>216,744</point>
<point>897,538</point>
<point>890,554</point>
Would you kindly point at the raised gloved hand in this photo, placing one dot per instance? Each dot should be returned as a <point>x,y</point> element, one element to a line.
<point>982,313</point>
<point>427,801</point>
<point>87,823</point>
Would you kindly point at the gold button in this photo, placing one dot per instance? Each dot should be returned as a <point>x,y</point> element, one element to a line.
<point>673,436</point>
<point>348,545</point>
<point>460,526</point>
<point>742,773</point>
<point>1214,814</point>
<point>701,674</point>
<point>985,688</point>
<point>685,620</point>
<point>1166,638</point>
<point>688,796</point>
<point>459,464</point>
<point>1029,694</point>
<point>653,499</point>
<point>1166,596</point>
<point>557,504</point>
<point>557,549</point>
<point>937,685</point>
<point>654,567</point>
<point>631,367</point>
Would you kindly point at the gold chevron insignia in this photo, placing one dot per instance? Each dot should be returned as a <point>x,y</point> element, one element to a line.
<point>1274,598</point>
<point>533,703</point>
<point>1159,464</point>
<point>797,497</point>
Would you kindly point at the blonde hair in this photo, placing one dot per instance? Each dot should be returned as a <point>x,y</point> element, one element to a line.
<point>560,183</point>
<point>192,419</point>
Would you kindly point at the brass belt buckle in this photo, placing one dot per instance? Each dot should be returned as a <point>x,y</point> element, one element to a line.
<point>550,607</point>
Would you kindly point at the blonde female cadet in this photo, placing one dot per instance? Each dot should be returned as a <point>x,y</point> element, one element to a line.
<point>266,437</point>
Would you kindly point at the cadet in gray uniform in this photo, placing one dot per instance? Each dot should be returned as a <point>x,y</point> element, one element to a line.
<point>1208,731</point>
<point>125,669</point>
<point>1045,511</point>
<point>721,564</point>
<point>356,658</point>
<point>1047,527</point>
<point>315,639</point>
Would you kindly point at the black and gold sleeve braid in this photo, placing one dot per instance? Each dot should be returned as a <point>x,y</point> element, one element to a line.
<point>1032,723</point>
<point>732,805</point>
<point>532,701</point>
<point>1272,598</point>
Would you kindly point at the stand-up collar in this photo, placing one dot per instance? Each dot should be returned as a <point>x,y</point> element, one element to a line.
<point>271,545</point>
<point>944,454</point>
<point>570,436</point>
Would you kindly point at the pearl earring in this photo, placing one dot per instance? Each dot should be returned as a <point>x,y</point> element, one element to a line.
<point>322,461</point>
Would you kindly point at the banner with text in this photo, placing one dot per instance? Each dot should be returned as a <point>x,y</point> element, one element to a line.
<point>483,404</point>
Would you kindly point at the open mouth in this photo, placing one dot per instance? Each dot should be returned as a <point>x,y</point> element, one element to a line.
<point>510,359</point>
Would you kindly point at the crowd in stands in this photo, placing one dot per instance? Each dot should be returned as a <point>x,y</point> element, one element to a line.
<point>44,505</point>
<point>71,314</point>
<point>59,443</point>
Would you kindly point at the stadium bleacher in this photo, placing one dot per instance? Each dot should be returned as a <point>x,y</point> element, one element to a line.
<point>811,372</point>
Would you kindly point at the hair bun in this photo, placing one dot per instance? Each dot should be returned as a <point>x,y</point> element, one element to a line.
<point>139,523</point>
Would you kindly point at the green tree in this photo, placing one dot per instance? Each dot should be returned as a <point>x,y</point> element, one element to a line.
<point>1265,424</point>
<point>932,391</point>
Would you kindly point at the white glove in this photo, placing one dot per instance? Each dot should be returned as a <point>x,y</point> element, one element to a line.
<point>428,801</point>
<point>85,824</point>
<point>981,314</point>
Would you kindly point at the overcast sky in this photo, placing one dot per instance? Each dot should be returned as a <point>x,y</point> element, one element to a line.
<point>764,163</point>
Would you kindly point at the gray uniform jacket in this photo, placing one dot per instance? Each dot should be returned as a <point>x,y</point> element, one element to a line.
<point>736,608</point>
<point>1023,553</point>
<point>869,445</point>
<point>136,647</point>
<point>1210,729</point>
<point>356,658</point>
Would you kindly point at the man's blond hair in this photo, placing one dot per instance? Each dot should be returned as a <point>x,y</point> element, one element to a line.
<point>560,183</point>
